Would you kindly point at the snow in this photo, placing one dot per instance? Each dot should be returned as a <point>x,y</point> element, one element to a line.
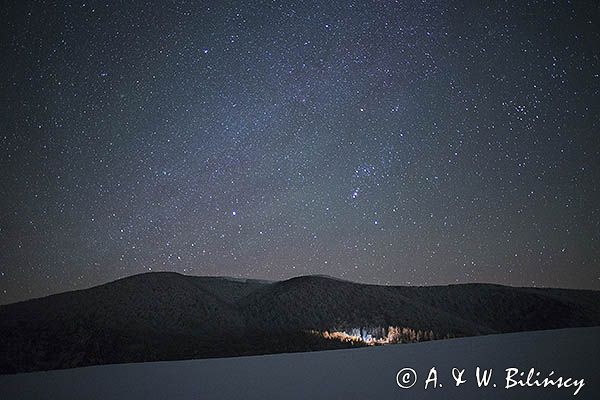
<point>366,373</point>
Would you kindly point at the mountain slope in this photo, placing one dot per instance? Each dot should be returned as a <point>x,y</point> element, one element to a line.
<point>167,316</point>
<point>322,303</point>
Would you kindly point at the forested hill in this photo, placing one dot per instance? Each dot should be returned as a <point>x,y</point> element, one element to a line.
<point>168,316</point>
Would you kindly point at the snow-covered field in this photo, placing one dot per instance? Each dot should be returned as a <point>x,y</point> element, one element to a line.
<point>367,373</point>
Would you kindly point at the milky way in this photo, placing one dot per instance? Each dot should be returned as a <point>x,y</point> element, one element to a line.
<point>386,142</point>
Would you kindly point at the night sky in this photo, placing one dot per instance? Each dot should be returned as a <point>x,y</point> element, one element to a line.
<point>410,143</point>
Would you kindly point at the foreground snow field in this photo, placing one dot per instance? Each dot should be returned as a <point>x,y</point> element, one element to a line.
<point>367,373</point>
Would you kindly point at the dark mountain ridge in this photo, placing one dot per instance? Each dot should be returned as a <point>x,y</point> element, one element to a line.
<point>167,316</point>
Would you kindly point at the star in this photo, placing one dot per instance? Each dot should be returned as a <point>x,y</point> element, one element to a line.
<point>259,142</point>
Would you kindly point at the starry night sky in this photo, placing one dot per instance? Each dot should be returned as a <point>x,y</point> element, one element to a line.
<point>385,142</point>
